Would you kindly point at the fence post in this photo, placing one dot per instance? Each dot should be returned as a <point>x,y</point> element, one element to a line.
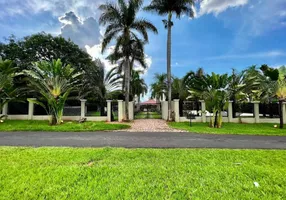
<point>177,110</point>
<point>256,111</point>
<point>120,110</point>
<point>284,112</point>
<point>229,111</point>
<point>5,109</point>
<point>203,104</point>
<point>82,108</point>
<point>164,110</point>
<point>31,108</point>
<point>109,110</point>
<point>131,110</point>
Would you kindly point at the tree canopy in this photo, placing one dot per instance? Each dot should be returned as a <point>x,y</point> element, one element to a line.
<point>44,47</point>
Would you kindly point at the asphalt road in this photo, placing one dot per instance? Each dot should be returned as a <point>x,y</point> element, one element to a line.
<point>140,140</point>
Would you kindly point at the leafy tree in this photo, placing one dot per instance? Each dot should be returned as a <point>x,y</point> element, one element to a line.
<point>44,47</point>
<point>53,81</point>
<point>170,7</point>
<point>272,73</point>
<point>124,26</point>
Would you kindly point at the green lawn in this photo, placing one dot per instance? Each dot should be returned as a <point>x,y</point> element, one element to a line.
<point>148,115</point>
<point>230,128</point>
<point>25,125</point>
<point>94,114</point>
<point>66,173</point>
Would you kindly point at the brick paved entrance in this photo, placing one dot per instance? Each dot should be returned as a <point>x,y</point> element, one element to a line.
<point>150,125</point>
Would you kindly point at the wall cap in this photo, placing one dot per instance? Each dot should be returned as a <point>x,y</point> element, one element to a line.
<point>31,99</point>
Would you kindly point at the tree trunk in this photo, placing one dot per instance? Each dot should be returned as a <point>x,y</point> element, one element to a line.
<point>281,114</point>
<point>138,104</point>
<point>234,108</point>
<point>169,72</point>
<point>216,119</point>
<point>127,89</point>
<point>53,120</point>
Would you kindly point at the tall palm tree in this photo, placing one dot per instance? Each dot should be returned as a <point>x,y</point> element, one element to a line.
<point>170,7</point>
<point>123,26</point>
<point>53,81</point>
<point>137,57</point>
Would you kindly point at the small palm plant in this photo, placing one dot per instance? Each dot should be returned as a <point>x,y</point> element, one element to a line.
<point>7,90</point>
<point>53,81</point>
<point>214,89</point>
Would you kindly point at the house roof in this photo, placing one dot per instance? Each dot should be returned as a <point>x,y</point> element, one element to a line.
<point>149,102</point>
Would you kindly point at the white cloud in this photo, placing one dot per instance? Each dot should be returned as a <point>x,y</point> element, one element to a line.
<point>95,52</point>
<point>218,6</point>
<point>81,32</point>
<point>83,8</point>
<point>269,54</point>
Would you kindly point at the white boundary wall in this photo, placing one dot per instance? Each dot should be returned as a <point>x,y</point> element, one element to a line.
<point>204,118</point>
<point>31,116</point>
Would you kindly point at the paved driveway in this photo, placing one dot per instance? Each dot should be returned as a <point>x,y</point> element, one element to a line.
<point>150,125</point>
<point>141,140</point>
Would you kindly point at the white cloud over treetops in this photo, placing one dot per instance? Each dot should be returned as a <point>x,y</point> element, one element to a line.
<point>218,6</point>
<point>82,32</point>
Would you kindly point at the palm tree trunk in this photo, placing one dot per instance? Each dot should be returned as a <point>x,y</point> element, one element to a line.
<point>127,89</point>
<point>138,103</point>
<point>281,114</point>
<point>169,73</point>
<point>234,108</point>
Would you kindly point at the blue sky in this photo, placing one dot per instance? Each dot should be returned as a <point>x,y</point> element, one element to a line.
<point>225,34</point>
